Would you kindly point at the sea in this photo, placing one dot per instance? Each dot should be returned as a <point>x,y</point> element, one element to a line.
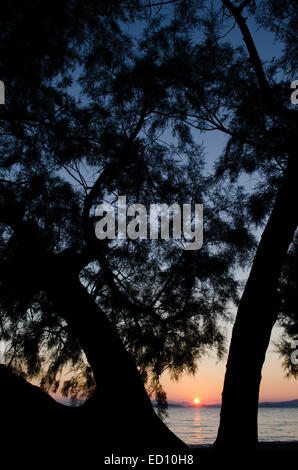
<point>198,426</point>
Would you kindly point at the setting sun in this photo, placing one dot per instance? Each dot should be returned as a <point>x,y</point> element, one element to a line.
<point>196,401</point>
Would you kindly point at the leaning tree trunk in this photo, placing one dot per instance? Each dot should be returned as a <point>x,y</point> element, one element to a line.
<point>121,405</point>
<point>256,316</point>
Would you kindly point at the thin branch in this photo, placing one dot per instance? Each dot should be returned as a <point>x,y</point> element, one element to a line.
<point>244,5</point>
<point>272,105</point>
<point>228,32</point>
<point>141,120</point>
<point>252,50</point>
<point>150,5</point>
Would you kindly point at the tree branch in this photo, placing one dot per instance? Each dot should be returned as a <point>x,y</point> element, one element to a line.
<point>251,48</point>
<point>274,107</point>
<point>244,5</point>
<point>158,4</point>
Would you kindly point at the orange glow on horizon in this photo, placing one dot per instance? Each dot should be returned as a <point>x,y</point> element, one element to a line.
<point>210,379</point>
<point>196,401</point>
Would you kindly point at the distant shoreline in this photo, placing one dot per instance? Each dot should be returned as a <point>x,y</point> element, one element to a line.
<point>262,445</point>
<point>268,404</point>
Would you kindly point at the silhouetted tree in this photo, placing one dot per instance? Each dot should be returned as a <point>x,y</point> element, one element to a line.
<point>236,94</point>
<point>288,315</point>
<point>258,308</point>
<point>124,312</point>
<point>119,312</point>
<point>245,100</point>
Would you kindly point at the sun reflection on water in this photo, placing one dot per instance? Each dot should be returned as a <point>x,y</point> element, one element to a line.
<point>197,425</point>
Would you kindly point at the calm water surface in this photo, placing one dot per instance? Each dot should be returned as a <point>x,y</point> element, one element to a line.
<point>199,425</point>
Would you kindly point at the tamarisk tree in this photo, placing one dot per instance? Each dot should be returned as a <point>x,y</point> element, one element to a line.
<point>84,122</point>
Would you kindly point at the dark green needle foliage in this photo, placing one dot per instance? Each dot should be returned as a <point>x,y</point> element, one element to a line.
<point>288,291</point>
<point>87,119</point>
<point>105,99</point>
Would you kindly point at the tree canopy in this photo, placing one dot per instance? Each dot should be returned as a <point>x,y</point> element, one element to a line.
<point>90,127</point>
<point>111,98</point>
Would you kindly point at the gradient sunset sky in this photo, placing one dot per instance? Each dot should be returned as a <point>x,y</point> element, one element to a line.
<point>208,382</point>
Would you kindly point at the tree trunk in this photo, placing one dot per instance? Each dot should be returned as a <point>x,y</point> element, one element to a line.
<point>256,316</point>
<point>121,403</point>
<point>121,406</point>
